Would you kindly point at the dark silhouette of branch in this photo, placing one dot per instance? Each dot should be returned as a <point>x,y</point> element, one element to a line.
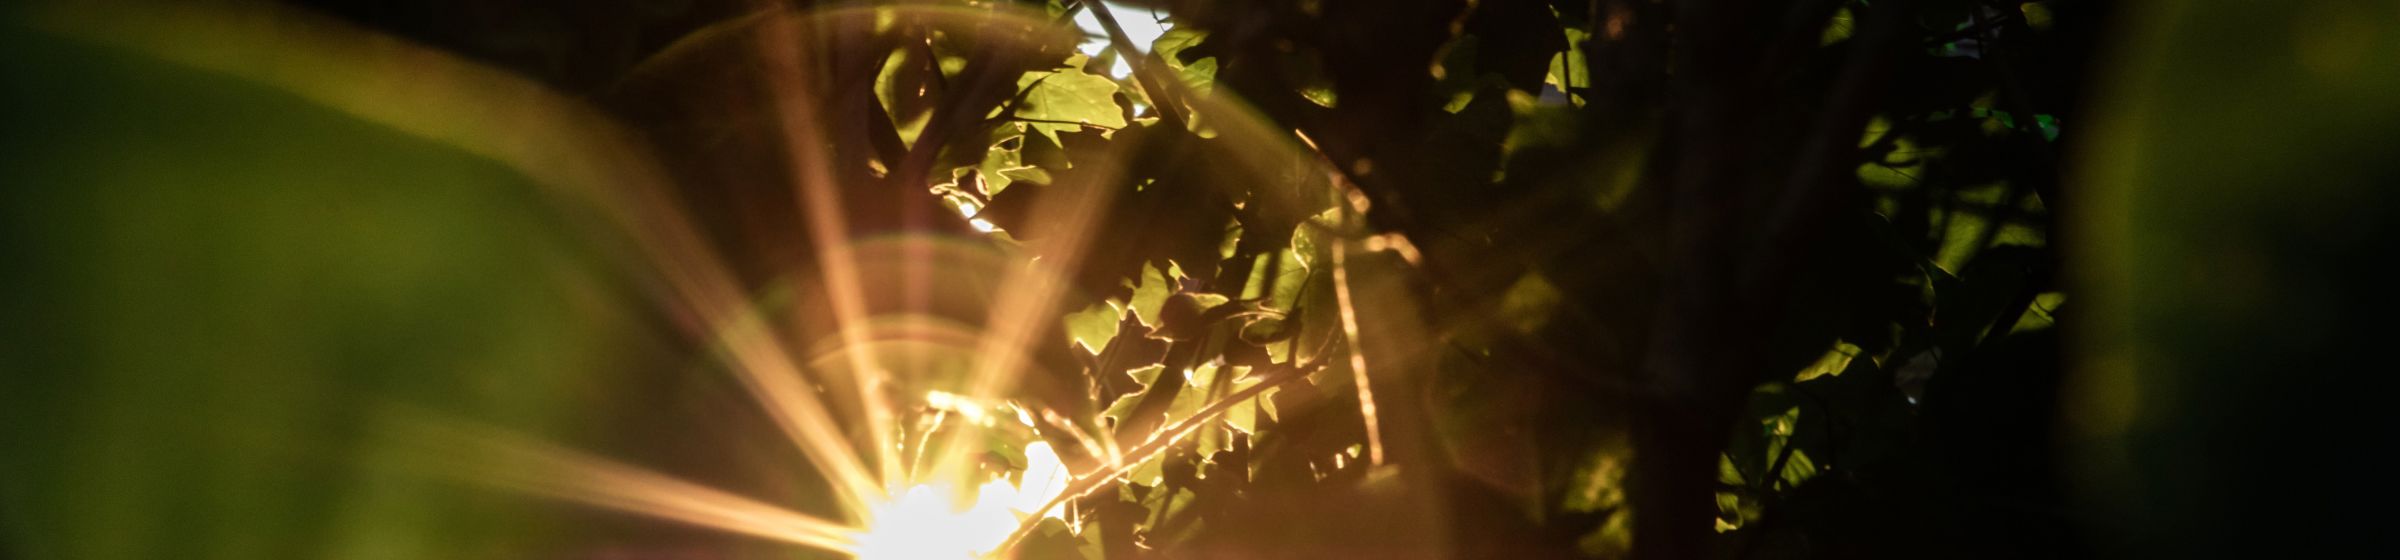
<point>1145,73</point>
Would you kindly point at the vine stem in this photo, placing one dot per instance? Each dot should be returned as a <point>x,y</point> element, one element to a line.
<point>1159,442</point>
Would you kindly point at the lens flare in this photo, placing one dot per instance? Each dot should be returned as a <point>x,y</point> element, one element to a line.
<point>592,163</point>
<point>925,522</point>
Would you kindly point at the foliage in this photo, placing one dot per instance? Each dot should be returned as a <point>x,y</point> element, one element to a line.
<point>1530,175</point>
<point>1617,271</point>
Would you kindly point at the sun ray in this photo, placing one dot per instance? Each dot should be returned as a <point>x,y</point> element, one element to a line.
<point>1032,287</point>
<point>820,202</point>
<point>562,144</point>
<point>578,153</point>
<point>491,457</point>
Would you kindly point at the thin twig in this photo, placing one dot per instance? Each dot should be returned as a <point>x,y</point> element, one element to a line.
<point>1358,356</point>
<point>1774,474</point>
<point>1054,121</point>
<point>1144,73</point>
<point>1976,31</point>
<point>1349,313</point>
<point>1159,442</point>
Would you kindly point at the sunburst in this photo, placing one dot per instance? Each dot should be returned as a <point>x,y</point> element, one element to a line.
<point>887,508</point>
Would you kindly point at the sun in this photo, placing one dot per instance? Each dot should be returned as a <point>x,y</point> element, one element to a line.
<point>926,521</point>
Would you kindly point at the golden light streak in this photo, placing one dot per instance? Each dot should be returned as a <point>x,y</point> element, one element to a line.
<point>1353,203</point>
<point>573,150</point>
<point>558,142</point>
<point>1358,355</point>
<point>768,372</point>
<point>498,459</point>
<point>965,407</point>
<point>829,232</point>
<point>1032,287</point>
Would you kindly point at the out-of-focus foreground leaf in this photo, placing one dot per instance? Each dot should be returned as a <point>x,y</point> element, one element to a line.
<point>2235,242</point>
<point>213,287</point>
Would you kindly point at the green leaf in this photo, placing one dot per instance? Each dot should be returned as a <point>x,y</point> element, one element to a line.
<point>1068,95</point>
<point>1200,75</point>
<point>1836,29</point>
<point>1244,415</point>
<point>2038,316</point>
<point>1569,70</point>
<point>1003,163</point>
<point>1094,326</point>
<point>1727,473</point>
<point>1528,304</point>
<point>1194,395</point>
<point>1170,45</point>
<point>1964,228</point>
<point>1799,469</point>
<point>1598,483</point>
<point>896,87</point>
<point>1124,405</point>
<point>1025,174</point>
<point>1150,295</point>
<point>1832,363</point>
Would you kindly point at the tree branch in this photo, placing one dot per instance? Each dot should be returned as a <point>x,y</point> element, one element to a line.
<point>1145,74</point>
<point>1158,443</point>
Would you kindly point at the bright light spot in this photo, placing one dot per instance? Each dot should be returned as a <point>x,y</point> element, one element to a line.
<point>1022,417</point>
<point>1141,27</point>
<point>925,523</point>
<point>967,210</point>
<point>1045,477</point>
<point>921,525</point>
<point>959,404</point>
